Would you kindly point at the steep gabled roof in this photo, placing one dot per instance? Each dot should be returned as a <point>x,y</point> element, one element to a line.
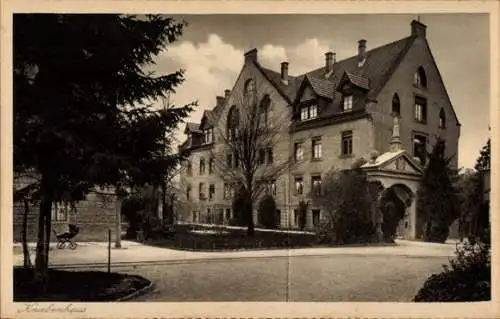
<point>192,127</point>
<point>379,65</point>
<point>361,81</point>
<point>288,91</point>
<point>321,87</point>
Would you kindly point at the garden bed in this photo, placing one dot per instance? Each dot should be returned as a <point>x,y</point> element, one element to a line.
<point>220,238</point>
<point>85,286</point>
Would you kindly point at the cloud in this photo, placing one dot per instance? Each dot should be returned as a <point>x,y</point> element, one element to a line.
<point>213,66</point>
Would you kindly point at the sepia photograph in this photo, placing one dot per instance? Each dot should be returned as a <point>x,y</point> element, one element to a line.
<point>248,157</point>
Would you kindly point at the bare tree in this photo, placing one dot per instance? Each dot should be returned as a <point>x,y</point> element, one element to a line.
<point>249,137</point>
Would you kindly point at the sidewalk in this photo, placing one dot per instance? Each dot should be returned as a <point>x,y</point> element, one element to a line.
<point>135,253</point>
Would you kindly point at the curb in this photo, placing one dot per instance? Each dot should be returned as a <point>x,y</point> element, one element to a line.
<point>137,293</point>
<point>201,260</point>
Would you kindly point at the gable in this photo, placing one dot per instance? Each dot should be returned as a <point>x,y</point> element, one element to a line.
<point>307,94</point>
<point>401,164</point>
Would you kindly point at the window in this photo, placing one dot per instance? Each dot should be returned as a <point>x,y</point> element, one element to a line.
<point>419,147</point>
<point>60,212</point>
<point>264,111</point>
<point>228,213</point>
<point>347,105</point>
<point>298,152</point>
<point>316,149</point>
<point>189,168</point>
<point>304,114</point>
<point>396,106</point>
<point>296,217</point>
<point>309,112</point>
<point>442,119</point>
<point>201,191</point>
<point>299,186</point>
<point>250,92</point>
<point>188,192</point>
<point>316,185</point>
<point>419,78</point>
<point>313,111</point>
<point>202,166</point>
<point>271,187</point>
<point>316,216</point>
<point>229,160</point>
<point>227,191</point>
<point>270,157</point>
<point>208,135</point>
<point>262,156</point>
<point>420,109</point>
<point>233,119</point>
<point>211,166</point>
<point>346,143</point>
<point>211,192</point>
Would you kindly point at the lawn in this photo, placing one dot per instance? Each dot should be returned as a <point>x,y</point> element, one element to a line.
<point>86,286</point>
<point>221,238</point>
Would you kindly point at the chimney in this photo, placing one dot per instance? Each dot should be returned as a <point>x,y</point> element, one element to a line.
<point>251,56</point>
<point>418,28</point>
<point>226,93</point>
<point>362,49</point>
<point>284,72</point>
<point>329,61</point>
<point>220,100</point>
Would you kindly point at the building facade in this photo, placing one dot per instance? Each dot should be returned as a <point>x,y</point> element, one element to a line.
<point>333,116</point>
<point>93,216</point>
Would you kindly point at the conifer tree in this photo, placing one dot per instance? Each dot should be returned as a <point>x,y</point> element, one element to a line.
<point>84,111</point>
<point>437,199</point>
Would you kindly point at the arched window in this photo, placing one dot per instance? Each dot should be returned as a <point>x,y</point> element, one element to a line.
<point>396,108</point>
<point>264,111</point>
<point>442,119</point>
<point>419,78</point>
<point>233,119</point>
<point>250,92</point>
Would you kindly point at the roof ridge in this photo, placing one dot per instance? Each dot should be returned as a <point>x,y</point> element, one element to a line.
<point>367,52</point>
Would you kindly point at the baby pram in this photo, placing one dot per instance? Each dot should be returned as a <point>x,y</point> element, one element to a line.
<point>67,237</point>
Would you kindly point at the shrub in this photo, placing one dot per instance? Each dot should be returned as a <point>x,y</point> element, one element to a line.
<point>242,207</point>
<point>467,278</point>
<point>303,214</point>
<point>268,216</point>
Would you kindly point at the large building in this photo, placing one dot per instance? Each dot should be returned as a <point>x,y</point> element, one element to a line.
<point>334,115</point>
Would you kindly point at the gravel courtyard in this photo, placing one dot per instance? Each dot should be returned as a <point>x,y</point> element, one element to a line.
<point>319,278</point>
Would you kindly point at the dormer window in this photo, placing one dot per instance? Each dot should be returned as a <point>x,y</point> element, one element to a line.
<point>347,104</point>
<point>309,112</point>
<point>208,135</point>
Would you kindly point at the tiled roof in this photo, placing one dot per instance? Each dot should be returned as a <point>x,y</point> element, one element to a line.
<point>378,67</point>
<point>289,90</point>
<point>321,87</point>
<point>192,127</point>
<point>361,81</point>
<point>372,75</point>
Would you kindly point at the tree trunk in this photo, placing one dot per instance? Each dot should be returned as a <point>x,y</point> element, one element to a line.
<point>43,238</point>
<point>24,236</point>
<point>250,223</point>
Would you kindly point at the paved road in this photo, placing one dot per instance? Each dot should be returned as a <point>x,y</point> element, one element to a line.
<point>318,278</point>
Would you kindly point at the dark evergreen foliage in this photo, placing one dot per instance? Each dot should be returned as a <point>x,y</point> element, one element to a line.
<point>437,199</point>
<point>83,105</point>
<point>268,215</point>
<point>242,207</point>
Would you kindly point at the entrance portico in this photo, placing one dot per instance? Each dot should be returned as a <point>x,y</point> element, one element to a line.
<point>396,169</point>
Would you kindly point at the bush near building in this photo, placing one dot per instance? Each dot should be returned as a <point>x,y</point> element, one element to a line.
<point>468,278</point>
<point>267,213</point>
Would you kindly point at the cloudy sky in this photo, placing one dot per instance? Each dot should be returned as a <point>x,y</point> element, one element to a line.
<point>211,51</point>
